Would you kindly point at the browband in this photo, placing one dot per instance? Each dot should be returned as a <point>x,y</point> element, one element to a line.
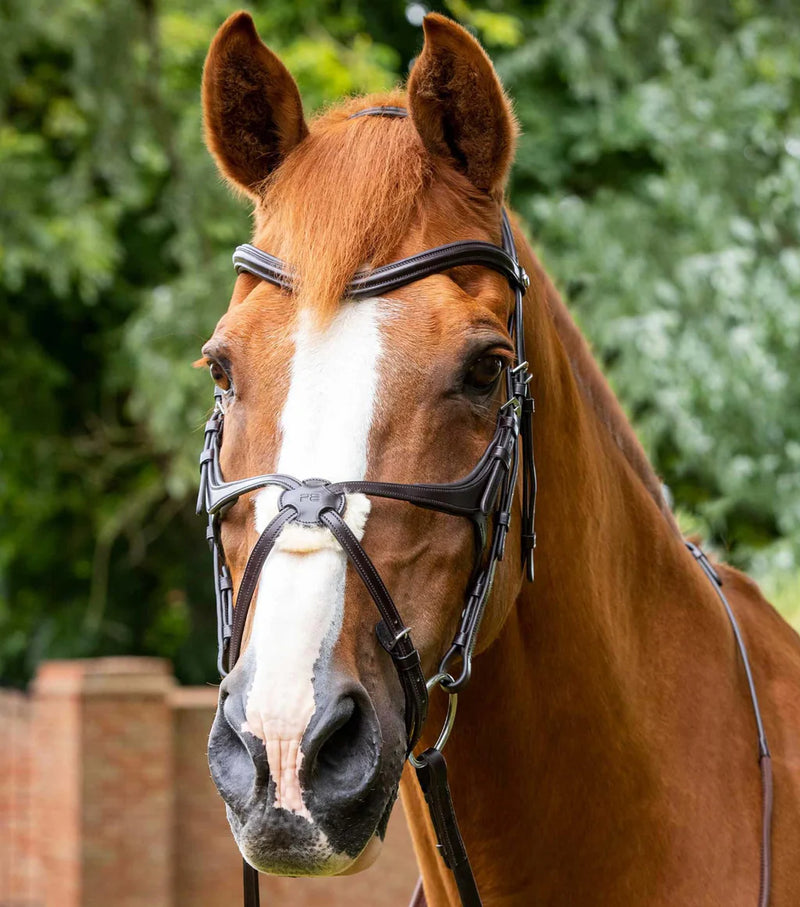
<point>389,277</point>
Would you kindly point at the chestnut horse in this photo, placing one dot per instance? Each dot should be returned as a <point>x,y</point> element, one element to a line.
<point>605,752</point>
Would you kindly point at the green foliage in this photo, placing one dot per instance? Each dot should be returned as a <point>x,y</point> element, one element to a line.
<point>659,170</point>
<point>115,242</point>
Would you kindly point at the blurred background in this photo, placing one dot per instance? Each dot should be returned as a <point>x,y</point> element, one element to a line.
<point>658,175</point>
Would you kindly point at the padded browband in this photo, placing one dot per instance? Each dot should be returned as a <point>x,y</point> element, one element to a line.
<point>395,275</point>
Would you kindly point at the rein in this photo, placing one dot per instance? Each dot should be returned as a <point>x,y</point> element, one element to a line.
<point>484,496</point>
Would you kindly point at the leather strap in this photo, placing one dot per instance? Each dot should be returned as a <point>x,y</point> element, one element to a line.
<point>432,777</point>
<point>252,896</point>
<point>764,758</point>
<point>393,634</point>
<point>392,276</point>
<point>765,763</point>
<point>473,496</point>
<point>252,572</point>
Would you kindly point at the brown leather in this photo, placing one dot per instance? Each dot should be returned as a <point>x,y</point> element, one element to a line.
<point>250,577</point>
<point>431,771</point>
<point>389,277</point>
<point>393,634</point>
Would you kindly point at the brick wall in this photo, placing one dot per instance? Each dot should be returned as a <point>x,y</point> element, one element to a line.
<point>18,856</point>
<point>106,801</point>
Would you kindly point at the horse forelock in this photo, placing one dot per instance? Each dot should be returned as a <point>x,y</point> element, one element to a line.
<point>347,198</point>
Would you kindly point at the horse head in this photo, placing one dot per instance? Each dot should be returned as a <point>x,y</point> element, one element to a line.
<point>402,386</point>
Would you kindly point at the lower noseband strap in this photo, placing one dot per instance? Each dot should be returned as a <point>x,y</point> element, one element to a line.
<point>393,635</point>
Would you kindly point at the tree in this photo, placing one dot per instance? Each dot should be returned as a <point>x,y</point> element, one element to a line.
<point>659,171</point>
<point>115,240</point>
<point>660,175</point>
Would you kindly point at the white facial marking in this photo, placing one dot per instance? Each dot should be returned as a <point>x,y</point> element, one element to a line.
<point>325,429</point>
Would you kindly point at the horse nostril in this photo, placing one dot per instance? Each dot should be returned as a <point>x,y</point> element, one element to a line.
<point>342,751</point>
<point>342,737</point>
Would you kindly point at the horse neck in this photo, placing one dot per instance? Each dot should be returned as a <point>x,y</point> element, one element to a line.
<point>564,735</point>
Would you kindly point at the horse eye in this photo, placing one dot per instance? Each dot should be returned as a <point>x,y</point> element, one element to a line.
<point>483,373</point>
<point>219,375</point>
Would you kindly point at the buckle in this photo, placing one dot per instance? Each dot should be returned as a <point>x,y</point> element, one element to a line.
<point>501,533</point>
<point>514,404</point>
<point>701,557</point>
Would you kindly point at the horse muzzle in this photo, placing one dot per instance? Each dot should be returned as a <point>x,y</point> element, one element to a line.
<point>310,805</point>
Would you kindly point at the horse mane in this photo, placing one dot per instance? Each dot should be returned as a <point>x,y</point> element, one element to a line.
<point>346,197</point>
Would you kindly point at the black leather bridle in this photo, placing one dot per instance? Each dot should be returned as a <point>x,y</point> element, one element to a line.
<point>485,496</point>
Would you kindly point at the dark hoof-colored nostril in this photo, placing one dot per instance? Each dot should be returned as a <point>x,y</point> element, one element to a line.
<point>238,759</point>
<point>342,740</point>
<point>342,747</point>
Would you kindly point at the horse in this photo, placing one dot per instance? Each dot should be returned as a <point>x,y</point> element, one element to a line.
<point>605,750</point>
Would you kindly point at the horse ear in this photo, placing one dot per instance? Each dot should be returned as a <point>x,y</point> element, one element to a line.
<point>252,110</point>
<point>459,107</point>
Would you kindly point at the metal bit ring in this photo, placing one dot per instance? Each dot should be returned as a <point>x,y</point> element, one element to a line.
<point>450,718</point>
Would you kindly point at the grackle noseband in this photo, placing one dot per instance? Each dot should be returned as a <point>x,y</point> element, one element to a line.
<point>485,496</point>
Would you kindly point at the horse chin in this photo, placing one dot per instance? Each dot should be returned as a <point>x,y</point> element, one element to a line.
<point>298,864</point>
<point>302,857</point>
<point>290,845</point>
<point>365,859</point>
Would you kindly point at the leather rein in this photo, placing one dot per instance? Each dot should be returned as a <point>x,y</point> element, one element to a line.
<point>485,496</point>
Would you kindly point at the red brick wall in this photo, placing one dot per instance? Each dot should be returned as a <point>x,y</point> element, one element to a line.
<point>106,799</point>
<point>207,872</point>
<point>18,853</point>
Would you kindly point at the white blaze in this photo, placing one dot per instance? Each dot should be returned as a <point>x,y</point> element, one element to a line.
<point>325,428</point>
